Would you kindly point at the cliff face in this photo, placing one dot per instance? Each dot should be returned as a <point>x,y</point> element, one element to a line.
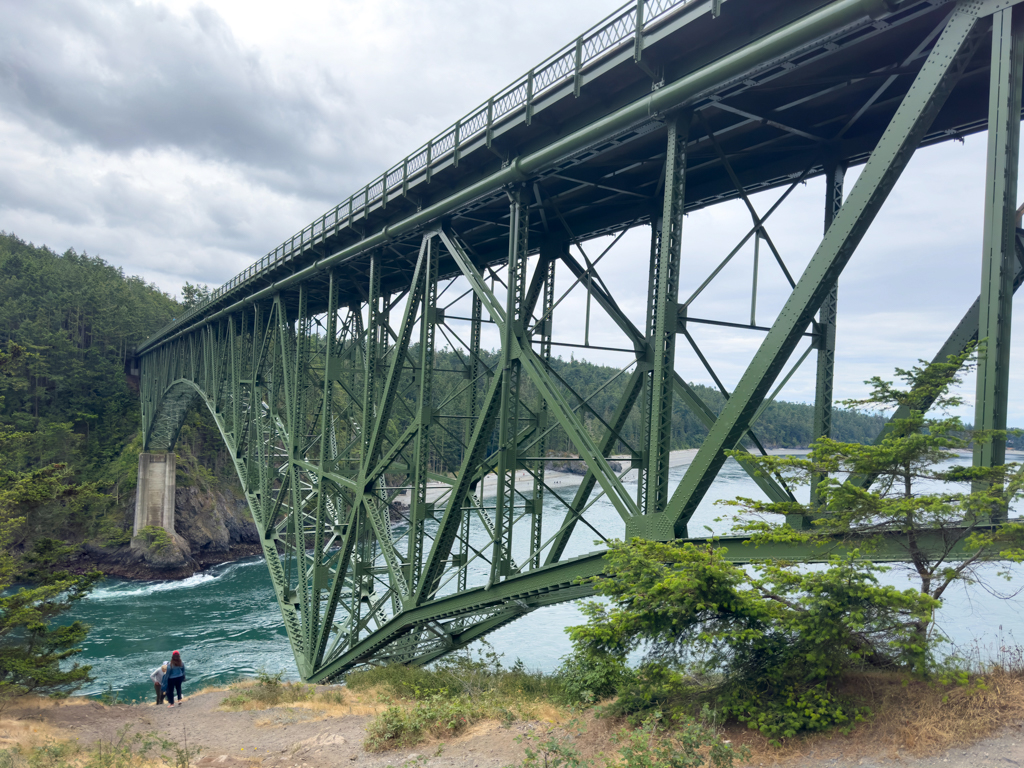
<point>212,525</point>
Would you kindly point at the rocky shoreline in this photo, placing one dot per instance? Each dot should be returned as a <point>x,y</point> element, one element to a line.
<point>212,526</point>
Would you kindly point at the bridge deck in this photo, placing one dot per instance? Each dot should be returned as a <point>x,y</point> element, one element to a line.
<point>779,86</point>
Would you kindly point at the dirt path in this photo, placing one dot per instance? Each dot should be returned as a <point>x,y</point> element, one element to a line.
<point>1003,750</point>
<point>282,736</point>
<point>301,737</point>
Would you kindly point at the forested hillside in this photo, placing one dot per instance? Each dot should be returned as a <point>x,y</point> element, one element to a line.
<point>77,317</point>
<point>68,398</point>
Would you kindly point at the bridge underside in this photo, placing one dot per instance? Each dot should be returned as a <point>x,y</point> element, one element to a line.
<point>396,469</point>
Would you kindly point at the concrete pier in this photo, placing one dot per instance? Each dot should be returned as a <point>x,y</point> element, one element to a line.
<point>154,500</point>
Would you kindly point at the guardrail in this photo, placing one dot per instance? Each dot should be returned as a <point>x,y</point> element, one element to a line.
<point>627,24</point>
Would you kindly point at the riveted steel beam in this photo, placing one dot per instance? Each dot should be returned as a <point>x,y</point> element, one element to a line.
<point>944,65</point>
<point>998,265</point>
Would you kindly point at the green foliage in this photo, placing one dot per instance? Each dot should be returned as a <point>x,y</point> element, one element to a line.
<point>156,538</point>
<point>587,677</point>
<point>934,517</point>
<point>193,295</point>
<point>269,690</point>
<point>765,645</point>
<point>453,692</point>
<point>36,654</point>
<point>437,715</point>
<point>687,743</point>
<point>553,749</point>
<point>768,644</point>
<point>77,318</point>
<point>69,413</point>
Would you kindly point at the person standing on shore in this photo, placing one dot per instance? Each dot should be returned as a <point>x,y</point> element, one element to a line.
<point>174,678</point>
<point>157,676</point>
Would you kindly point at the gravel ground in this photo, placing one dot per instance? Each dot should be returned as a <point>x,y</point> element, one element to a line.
<point>301,738</point>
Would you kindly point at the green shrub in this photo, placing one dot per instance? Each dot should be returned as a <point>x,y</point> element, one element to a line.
<point>691,743</point>
<point>269,690</point>
<point>765,645</point>
<point>437,716</point>
<point>455,691</point>
<point>586,678</point>
<point>481,676</point>
<point>156,538</point>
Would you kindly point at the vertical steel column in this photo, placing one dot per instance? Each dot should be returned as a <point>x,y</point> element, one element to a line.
<point>473,372</point>
<point>318,582</point>
<point>645,366</point>
<point>362,578</point>
<point>235,386</point>
<point>371,360</point>
<point>419,510</point>
<point>998,265</point>
<point>835,173</point>
<point>260,381</point>
<point>508,429</point>
<point>549,253</point>
<point>664,295</point>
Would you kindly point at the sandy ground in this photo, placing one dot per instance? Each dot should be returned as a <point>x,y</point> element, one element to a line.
<point>281,736</point>
<point>1005,749</point>
<point>286,737</point>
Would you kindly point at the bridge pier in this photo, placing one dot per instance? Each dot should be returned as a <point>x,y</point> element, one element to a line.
<point>154,500</point>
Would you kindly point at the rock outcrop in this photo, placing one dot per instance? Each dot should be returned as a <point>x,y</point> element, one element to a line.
<point>211,526</point>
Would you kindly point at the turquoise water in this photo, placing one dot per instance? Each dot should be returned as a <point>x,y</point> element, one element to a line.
<point>227,624</point>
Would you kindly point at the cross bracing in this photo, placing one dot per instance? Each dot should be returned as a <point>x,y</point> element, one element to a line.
<point>404,507</point>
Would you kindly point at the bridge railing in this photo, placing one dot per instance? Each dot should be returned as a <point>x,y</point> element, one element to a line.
<point>624,26</point>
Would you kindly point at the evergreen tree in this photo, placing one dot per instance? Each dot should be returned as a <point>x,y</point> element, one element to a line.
<point>32,647</point>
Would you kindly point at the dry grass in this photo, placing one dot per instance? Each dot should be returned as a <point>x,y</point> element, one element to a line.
<point>27,734</point>
<point>909,717</point>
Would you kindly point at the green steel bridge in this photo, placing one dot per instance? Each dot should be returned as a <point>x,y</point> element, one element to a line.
<point>320,362</point>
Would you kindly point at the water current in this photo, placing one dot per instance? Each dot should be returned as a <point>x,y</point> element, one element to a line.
<point>227,624</point>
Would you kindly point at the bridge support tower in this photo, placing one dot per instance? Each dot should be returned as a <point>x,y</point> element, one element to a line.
<point>154,500</point>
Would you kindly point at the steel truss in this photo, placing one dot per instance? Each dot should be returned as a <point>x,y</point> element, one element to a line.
<point>396,470</point>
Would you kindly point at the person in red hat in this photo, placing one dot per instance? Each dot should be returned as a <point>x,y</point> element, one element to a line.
<point>174,678</point>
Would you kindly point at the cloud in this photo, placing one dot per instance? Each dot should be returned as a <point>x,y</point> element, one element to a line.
<point>184,141</point>
<point>122,77</point>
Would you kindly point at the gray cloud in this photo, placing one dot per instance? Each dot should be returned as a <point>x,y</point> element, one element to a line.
<point>122,77</point>
<point>184,145</point>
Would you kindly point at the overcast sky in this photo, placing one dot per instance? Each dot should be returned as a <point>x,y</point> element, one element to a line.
<point>181,141</point>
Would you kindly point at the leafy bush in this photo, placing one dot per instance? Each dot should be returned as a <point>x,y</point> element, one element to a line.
<point>156,538</point>
<point>268,690</point>
<point>691,743</point>
<point>441,700</point>
<point>437,716</point>
<point>766,646</point>
<point>587,678</point>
